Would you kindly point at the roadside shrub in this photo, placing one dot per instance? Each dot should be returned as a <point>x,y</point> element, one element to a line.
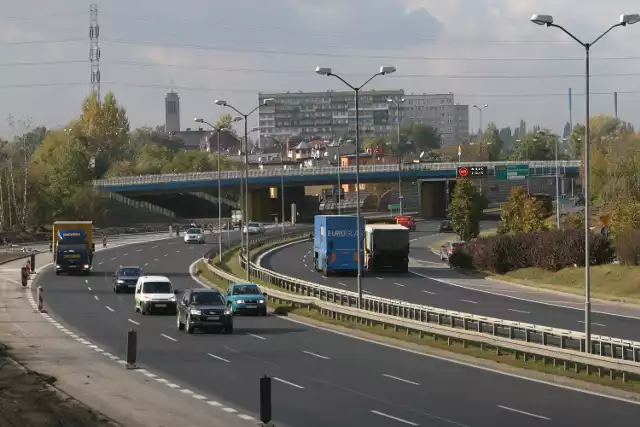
<point>628,248</point>
<point>551,250</point>
<point>461,259</point>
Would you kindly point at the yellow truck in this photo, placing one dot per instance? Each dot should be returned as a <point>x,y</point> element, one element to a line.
<point>73,246</point>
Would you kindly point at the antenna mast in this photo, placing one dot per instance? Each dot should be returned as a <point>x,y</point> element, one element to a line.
<point>94,50</point>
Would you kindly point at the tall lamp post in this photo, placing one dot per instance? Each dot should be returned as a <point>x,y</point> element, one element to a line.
<point>547,20</point>
<point>323,71</point>
<point>397,104</point>
<point>217,130</point>
<point>245,202</point>
<point>480,109</point>
<point>555,138</point>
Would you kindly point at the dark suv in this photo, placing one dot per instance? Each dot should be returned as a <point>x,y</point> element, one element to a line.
<point>125,278</point>
<point>202,309</point>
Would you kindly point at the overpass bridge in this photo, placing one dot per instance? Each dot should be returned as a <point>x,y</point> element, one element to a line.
<point>435,181</point>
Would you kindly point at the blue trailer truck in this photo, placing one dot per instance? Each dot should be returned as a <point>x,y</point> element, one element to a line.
<point>335,248</point>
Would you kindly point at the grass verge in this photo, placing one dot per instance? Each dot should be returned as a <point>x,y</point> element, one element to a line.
<point>470,352</point>
<point>608,282</point>
<point>11,256</point>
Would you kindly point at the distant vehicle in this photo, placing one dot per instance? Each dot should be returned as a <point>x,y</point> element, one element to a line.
<point>73,247</point>
<point>406,221</point>
<point>579,201</point>
<point>194,235</point>
<point>386,247</point>
<point>246,298</point>
<point>450,248</point>
<point>155,294</point>
<point>126,278</point>
<point>445,227</point>
<point>335,243</point>
<point>203,308</point>
<point>253,228</point>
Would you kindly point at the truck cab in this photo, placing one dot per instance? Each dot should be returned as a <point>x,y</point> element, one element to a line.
<point>335,244</point>
<point>406,221</point>
<point>73,247</point>
<point>386,247</point>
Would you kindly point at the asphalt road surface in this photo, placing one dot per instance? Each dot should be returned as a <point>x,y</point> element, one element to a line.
<point>320,378</point>
<point>417,288</point>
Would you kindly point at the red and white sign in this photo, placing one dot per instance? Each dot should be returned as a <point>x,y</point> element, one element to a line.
<point>463,172</point>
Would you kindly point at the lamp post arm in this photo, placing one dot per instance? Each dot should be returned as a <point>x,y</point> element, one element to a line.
<point>567,32</point>
<point>370,78</point>
<point>343,80</point>
<point>606,32</point>
<point>236,110</point>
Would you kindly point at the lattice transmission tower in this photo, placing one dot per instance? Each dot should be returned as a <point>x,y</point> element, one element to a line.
<point>94,49</point>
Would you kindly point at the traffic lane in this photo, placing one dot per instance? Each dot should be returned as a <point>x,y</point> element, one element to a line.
<point>417,288</point>
<point>402,383</point>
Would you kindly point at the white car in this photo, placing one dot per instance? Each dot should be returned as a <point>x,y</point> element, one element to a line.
<point>194,235</point>
<point>253,228</point>
<point>154,294</point>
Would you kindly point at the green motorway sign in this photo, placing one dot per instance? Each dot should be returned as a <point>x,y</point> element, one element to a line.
<point>394,206</point>
<point>512,172</point>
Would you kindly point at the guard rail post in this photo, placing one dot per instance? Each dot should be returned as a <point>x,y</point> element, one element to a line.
<point>132,349</point>
<point>265,401</point>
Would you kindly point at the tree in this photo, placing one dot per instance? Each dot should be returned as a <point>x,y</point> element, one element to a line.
<point>493,143</point>
<point>378,143</point>
<point>421,137</point>
<point>521,213</point>
<point>226,121</point>
<point>534,146</point>
<point>567,130</point>
<point>465,209</point>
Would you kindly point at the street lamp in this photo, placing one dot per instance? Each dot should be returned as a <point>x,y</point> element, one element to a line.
<point>324,71</point>
<point>217,130</point>
<point>480,109</point>
<point>397,104</point>
<point>555,137</point>
<point>283,148</point>
<point>245,202</point>
<point>338,145</point>
<point>547,20</point>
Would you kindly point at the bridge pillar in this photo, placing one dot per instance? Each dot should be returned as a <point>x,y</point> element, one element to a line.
<point>258,208</point>
<point>434,198</point>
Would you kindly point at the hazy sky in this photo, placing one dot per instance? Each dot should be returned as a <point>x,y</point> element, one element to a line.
<point>484,51</point>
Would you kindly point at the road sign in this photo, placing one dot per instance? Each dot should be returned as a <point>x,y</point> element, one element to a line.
<point>512,172</point>
<point>473,171</point>
<point>394,206</point>
<point>463,172</point>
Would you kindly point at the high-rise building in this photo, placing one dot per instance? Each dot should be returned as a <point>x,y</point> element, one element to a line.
<point>439,111</point>
<point>172,112</point>
<point>327,115</point>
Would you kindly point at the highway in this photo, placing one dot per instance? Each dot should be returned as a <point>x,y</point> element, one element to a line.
<point>427,286</point>
<point>320,378</point>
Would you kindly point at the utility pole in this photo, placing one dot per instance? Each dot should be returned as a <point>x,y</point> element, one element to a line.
<point>94,50</point>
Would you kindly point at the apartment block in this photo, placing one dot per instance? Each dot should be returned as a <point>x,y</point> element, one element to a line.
<point>439,111</point>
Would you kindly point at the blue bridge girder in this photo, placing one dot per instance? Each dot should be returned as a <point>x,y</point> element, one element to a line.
<point>194,181</point>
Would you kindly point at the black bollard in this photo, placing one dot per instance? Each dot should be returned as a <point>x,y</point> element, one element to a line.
<point>24,276</point>
<point>33,262</point>
<point>265,399</point>
<point>132,349</point>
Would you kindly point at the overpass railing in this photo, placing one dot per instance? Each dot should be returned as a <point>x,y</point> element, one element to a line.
<point>614,355</point>
<point>327,170</point>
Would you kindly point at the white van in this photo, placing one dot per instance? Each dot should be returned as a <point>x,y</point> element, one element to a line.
<point>155,294</point>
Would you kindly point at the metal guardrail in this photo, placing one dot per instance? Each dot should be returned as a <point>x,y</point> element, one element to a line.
<point>328,170</point>
<point>613,354</point>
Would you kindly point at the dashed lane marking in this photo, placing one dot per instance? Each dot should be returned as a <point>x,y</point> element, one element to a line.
<point>319,356</point>
<point>391,417</point>
<point>280,380</point>
<point>219,358</point>
<point>169,338</point>
<point>400,379</point>
<point>257,336</point>
<point>529,414</point>
<point>96,298</point>
<point>109,308</point>
<point>428,292</point>
<point>399,284</point>
<point>593,323</point>
<point>89,287</point>
<point>133,321</point>
<point>468,301</point>
<point>519,311</point>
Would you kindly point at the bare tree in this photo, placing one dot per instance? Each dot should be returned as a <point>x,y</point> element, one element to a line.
<point>21,142</point>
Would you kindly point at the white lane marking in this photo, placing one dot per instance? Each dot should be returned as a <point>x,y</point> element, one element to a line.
<point>145,264</point>
<point>199,397</point>
<point>319,356</point>
<point>231,350</point>
<point>391,417</point>
<point>593,323</point>
<point>229,410</point>
<point>324,277</point>
<point>506,408</point>
<point>245,417</point>
<point>178,251</point>
<point>379,278</point>
<point>257,336</point>
<point>400,379</point>
<point>113,259</point>
<point>96,298</point>
<point>340,283</point>
<point>86,281</point>
<point>166,254</point>
<point>288,383</point>
<point>429,292</point>
<point>139,250</point>
<point>214,403</point>
<point>153,247</point>
<point>133,321</point>
<point>100,263</point>
<point>109,308</point>
<point>399,284</point>
<point>468,301</point>
<point>155,259</point>
<point>169,338</point>
<point>172,385</point>
<point>186,391</point>
<point>519,311</point>
<point>219,358</point>
<point>89,287</point>
<point>125,254</point>
<point>162,380</point>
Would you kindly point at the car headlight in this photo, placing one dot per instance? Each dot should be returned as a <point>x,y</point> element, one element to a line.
<point>86,266</point>
<point>172,299</point>
<point>145,299</point>
<point>239,301</point>
<point>195,312</point>
<point>120,281</point>
<point>227,312</point>
<point>261,301</point>
<point>57,265</point>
